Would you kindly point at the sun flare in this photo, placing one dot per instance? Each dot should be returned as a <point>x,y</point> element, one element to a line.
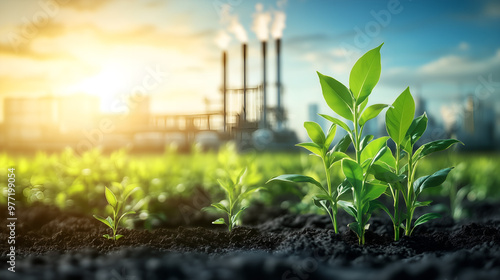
<point>104,84</point>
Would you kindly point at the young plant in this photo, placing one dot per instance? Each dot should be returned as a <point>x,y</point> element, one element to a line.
<point>329,197</point>
<point>350,103</point>
<point>405,131</point>
<point>235,191</point>
<point>117,205</point>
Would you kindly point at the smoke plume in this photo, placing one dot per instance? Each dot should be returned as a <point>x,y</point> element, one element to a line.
<point>232,23</point>
<point>261,21</point>
<point>279,20</point>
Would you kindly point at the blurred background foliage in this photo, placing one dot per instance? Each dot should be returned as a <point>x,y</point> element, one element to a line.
<point>176,186</point>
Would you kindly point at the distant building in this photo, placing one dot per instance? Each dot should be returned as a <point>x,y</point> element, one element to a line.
<point>478,125</point>
<point>313,111</point>
<point>31,119</point>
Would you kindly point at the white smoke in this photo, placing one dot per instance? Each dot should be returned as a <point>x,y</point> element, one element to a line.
<point>279,20</point>
<point>261,21</point>
<point>223,39</point>
<point>232,23</point>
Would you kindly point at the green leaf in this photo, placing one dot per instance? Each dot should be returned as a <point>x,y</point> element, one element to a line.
<point>107,236</point>
<point>118,236</point>
<point>110,222</point>
<point>297,178</point>
<point>365,141</point>
<point>337,122</point>
<point>384,174</point>
<point>371,113</point>
<point>337,96</point>
<point>117,185</point>
<point>373,148</point>
<point>334,157</point>
<point>220,206</point>
<point>422,203</point>
<point>330,136</point>
<point>323,197</point>
<point>434,146</point>
<point>250,191</point>
<point>102,220</point>
<point>312,147</point>
<point>343,187</point>
<point>241,175</point>
<point>417,129</point>
<point>380,154</point>
<point>219,221</point>
<point>365,74</point>
<point>348,207</point>
<point>127,213</point>
<point>425,218</point>
<point>227,186</point>
<point>362,106</point>
<point>321,204</point>
<point>399,116</point>
<point>123,215</point>
<point>129,190</point>
<point>353,173</point>
<point>375,204</point>
<point>235,218</point>
<point>110,197</point>
<point>373,191</point>
<point>354,226</point>
<point>315,133</point>
<point>343,144</point>
<point>430,181</point>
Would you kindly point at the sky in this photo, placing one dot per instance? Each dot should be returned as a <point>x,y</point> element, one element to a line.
<point>444,50</point>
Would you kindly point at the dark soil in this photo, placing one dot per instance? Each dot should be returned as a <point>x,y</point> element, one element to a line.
<point>51,244</point>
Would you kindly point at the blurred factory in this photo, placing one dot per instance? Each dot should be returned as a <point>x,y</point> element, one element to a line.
<point>52,122</point>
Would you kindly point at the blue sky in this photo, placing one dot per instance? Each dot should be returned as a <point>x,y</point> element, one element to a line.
<point>443,50</point>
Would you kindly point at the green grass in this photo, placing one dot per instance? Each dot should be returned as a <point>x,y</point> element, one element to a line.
<point>74,182</point>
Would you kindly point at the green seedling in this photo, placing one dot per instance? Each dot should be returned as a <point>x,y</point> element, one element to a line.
<point>117,205</point>
<point>328,197</point>
<point>350,103</point>
<point>236,191</point>
<point>405,131</point>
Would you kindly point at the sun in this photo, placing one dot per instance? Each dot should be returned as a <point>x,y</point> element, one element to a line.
<point>104,84</point>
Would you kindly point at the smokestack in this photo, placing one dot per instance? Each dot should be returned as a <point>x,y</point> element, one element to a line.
<point>224,87</point>
<point>279,114</point>
<point>244,82</point>
<point>264,81</point>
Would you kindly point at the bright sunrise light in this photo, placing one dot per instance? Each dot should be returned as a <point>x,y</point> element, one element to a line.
<point>104,84</point>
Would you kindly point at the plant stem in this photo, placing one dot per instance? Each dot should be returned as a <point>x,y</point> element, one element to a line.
<point>410,198</point>
<point>329,185</point>
<point>357,137</point>
<point>357,148</point>
<point>396,198</point>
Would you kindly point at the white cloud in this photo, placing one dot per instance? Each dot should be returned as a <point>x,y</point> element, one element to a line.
<point>450,68</point>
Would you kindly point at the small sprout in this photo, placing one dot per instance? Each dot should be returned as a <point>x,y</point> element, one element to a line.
<point>236,191</point>
<point>116,204</point>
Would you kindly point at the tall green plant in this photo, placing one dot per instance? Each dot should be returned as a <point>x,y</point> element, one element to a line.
<point>405,131</point>
<point>350,103</point>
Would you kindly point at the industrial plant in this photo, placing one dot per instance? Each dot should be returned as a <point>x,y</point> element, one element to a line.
<point>52,122</point>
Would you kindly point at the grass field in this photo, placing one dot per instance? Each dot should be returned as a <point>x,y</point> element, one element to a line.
<point>74,182</point>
